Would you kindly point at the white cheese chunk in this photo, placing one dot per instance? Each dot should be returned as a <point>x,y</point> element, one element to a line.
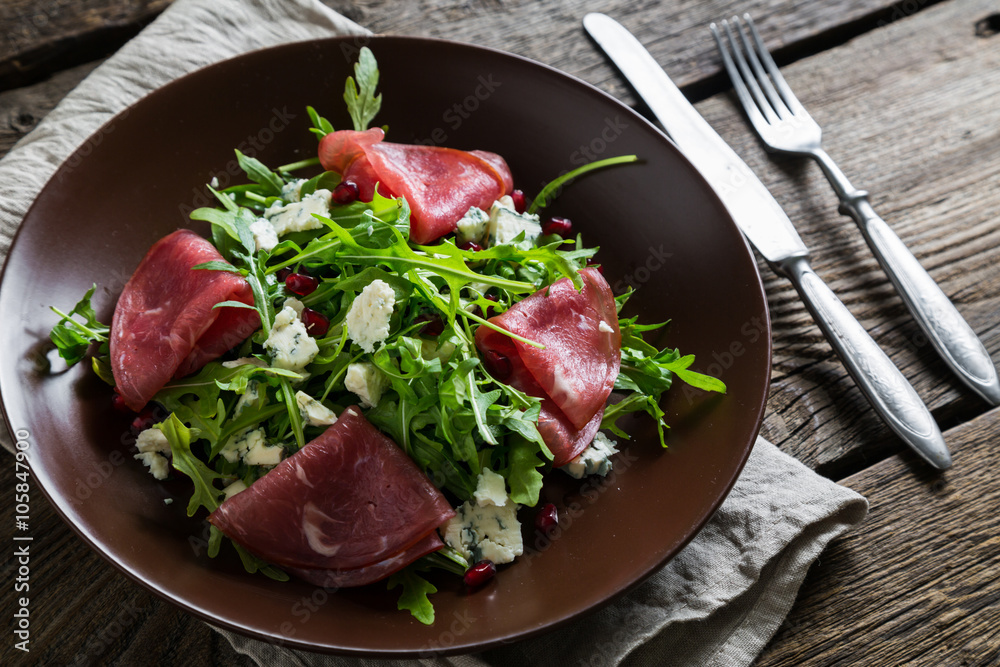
<point>251,446</point>
<point>298,216</point>
<point>367,381</point>
<point>292,191</point>
<point>234,488</point>
<point>594,460</point>
<point>248,399</point>
<point>491,533</point>
<point>490,489</point>
<point>368,318</point>
<point>152,446</point>
<point>604,327</point>
<point>472,226</point>
<point>289,344</point>
<point>506,223</point>
<point>264,235</point>
<point>313,412</point>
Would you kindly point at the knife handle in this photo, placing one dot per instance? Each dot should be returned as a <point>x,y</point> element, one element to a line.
<point>936,315</point>
<point>882,383</point>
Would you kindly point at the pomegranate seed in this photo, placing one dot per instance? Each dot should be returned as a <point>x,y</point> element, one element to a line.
<point>301,284</point>
<point>471,246</point>
<point>345,193</point>
<point>557,225</point>
<point>283,274</point>
<point>480,573</point>
<point>593,263</point>
<point>317,324</point>
<point>491,311</point>
<point>547,519</point>
<point>118,403</point>
<point>434,326</point>
<point>497,365</point>
<point>518,197</point>
<point>145,419</point>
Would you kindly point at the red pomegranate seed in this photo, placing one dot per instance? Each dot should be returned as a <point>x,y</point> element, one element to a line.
<point>480,573</point>
<point>301,284</point>
<point>434,326</point>
<point>145,419</point>
<point>490,310</point>
<point>345,193</point>
<point>497,365</point>
<point>557,225</point>
<point>596,265</point>
<point>518,197</point>
<point>470,245</point>
<point>547,518</point>
<point>283,274</point>
<point>118,403</point>
<point>317,324</point>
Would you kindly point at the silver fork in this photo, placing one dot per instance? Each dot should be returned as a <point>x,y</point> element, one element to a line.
<point>785,126</point>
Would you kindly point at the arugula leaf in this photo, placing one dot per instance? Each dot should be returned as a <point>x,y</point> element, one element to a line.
<point>321,126</point>
<point>550,191</point>
<point>362,103</point>
<point>73,338</point>
<point>413,597</point>
<point>523,475</point>
<point>270,182</point>
<point>179,436</point>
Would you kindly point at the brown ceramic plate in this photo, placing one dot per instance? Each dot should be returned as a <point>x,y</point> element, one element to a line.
<point>660,229</point>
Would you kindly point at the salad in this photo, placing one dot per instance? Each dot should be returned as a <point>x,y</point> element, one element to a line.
<point>355,324</point>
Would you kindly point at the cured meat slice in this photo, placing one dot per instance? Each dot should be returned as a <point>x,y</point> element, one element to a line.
<point>165,325</point>
<point>440,184</point>
<point>362,576</point>
<point>349,499</point>
<point>578,367</point>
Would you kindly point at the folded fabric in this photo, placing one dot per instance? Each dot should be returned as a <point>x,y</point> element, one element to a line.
<point>717,603</point>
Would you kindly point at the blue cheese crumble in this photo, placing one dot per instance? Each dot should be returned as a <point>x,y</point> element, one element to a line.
<point>506,223</point>
<point>152,446</point>
<point>264,235</point>
<point>313,412</point>
<point>298,216</point>
<point>368,318</point>
<point>594,460</point>
<point>289,344</point>
<point>367,381</point>
<point>488,529</point>
<point>251,446</point>
<point>472,226</point>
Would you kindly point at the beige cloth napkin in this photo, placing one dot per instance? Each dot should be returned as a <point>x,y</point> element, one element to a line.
<point>716,603</point>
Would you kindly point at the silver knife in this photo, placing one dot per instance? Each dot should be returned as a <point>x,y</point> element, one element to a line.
<point>770,231</point>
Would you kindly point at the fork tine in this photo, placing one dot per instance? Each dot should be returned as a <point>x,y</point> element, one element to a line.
<point>779,81</point>
<point>757,103</point>
<point>772,95</point>
<point>741,90</point>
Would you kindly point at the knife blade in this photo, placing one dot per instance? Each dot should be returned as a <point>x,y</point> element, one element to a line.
<point>767,227</point>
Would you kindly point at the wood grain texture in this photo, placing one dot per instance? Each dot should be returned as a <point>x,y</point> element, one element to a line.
<point>39,36</point>
<point>917,583</point>
<point>84,611</point>
<point>909,112</point>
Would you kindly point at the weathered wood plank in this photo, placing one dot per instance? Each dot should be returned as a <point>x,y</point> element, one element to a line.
<point>917,583</point>
<point>40,36</point>
<point>22,108</point>
<point>917,126</point>
<point>84,611</point>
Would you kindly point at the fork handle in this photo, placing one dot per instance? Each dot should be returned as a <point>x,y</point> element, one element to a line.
<point>895,400</point>
<point>947,330</point>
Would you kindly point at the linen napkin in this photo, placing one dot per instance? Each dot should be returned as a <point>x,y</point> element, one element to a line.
<point>717,603</point>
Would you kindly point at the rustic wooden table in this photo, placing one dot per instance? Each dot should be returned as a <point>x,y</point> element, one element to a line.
<point>906,94</point>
